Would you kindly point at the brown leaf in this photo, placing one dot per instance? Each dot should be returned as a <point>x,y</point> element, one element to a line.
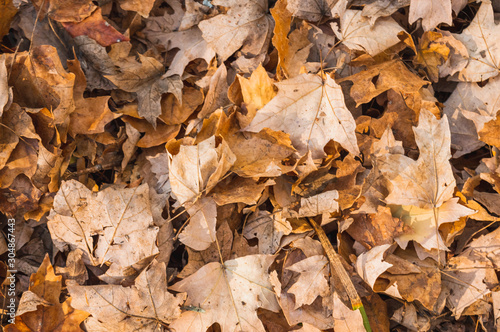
<point>143,7</point>
<point>49,315</point>
<point>64,11</point>
<point>8,11</point>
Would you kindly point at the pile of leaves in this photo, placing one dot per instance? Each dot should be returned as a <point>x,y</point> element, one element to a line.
<point>161,160</point>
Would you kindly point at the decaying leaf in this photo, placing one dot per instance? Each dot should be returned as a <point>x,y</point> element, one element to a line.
<point>229,294</point>
<point>426,184</point>
<point>312,110</point>
<point>145,306</point>
<point>120,218</point>
<point>48,314</point>
<point>432,12</point>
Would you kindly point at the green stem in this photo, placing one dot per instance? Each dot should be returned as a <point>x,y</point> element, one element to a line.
<point>366,322</point>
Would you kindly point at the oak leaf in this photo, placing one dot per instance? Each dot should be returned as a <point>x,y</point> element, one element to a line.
<point>312,110</point>
<point>312,281</point>
<point>228,294</point>
<point>246,25</point>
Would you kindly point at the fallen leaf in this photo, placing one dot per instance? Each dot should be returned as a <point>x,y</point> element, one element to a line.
<point>119,217</point>
<point>326,202</point>
<point>194,168</point>
<point>97,28</point>
<point>200,232</point>
<point>427,183</point>
<point>49,315</point>
<point>310,10</point>
<point>312,281</point>
<point>8,11</point>
<point>432,12</point>
<point>481,42</point>
<point>383,8</point>
<point>357,34</point>
<point>62,11</point>
<point>268,228</point>
<point>140,6</point>
<point>229,294</point>
<point>147,80</point>
<point>245,25</point>
<point>312,111</point>
<point>144,306</point>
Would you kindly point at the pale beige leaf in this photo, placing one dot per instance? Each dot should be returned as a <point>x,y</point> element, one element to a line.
<point>310,10</point>
<point>325,202</point>
<point>469,108</point>
<point>268,228</point>
<point>312,281</point>
<point>346,320</point>
<point>229,294</point>
<point>357,33</point>
<point>118,217</point>
<point>427,183</point>
<point>432,12</point>
<point>312,111</point>
<point>382,8</point>
<point>5,92</point>
<point>200,232</point>
<point>144,306</point>
<point>246,25</point>
<point>481,40</point>
<point>370,265</point>
<point>198,167</point>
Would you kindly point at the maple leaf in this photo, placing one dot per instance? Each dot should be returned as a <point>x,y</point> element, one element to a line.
<point>200,232</point>
<point>481,40</point>
<point>432,12</point>
<point>312,281</point>
<point>147,80</point>
<point>48,314</point>
<point>357,33</point>
<point>145,306</point>
<point>120,217</point>
<point>228,294</point>
<point>246,25</point>
<point>312,110</point>
<point>425,185</point>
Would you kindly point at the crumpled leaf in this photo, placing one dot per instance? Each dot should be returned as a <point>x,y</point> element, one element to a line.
<point>194,168</point>
<point>246,25</point>
<point>8,11</point>
<point>382,8</point>
<point>312,111</point>
<point>480,38</point>
<point>144,306</point>
<point>200,232</point>
<point>357,34</point>
<point>311,10</point>
<point>432,12</point>
<point>5,91</point>
<point>147,80</point>
<point>268,228</point>
<point>190,43</point>
<point>64,11</point>
<point>426,184</point>
<point>229,294</point>
<point>49,314</point>
<point>143,7</point>
<point>121,219</point>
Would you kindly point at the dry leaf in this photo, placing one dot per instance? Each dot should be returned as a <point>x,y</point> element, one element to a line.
<point>268,228</point>
<point>145,306</point>
<point>312,111</point>
<point>200,232</point>
<point>432,12</point>
<point>480,38</point>
<point>245,25</point>
<point>229,294</point>
<point>312,281</point>
<point>48,315</point>
<point>120,218</point>
<point>427,183</point>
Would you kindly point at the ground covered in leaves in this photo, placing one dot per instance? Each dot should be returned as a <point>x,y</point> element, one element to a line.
<point>160,160</point>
